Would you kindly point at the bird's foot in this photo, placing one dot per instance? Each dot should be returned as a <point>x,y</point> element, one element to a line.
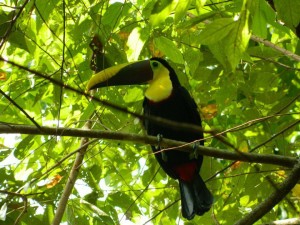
<point>194,154</point>
<point>159,139</point>
<point>163,154</point>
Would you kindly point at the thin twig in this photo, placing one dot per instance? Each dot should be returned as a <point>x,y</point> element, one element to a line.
<point>62,160</point>
<point>161,211</point>
<point>20,108</point>
<point>139,195</point>
<point>25,200</point>
<point>275,135</point>
<point>18,194</point>
<point>13,21</point>
<point>276,47</point>
<point>62,62</point>
<point>23,211</point>
<point>257,147</point>
<point>275,62</point>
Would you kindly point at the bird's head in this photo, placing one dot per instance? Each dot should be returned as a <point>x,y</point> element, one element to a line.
<point>156,72</point>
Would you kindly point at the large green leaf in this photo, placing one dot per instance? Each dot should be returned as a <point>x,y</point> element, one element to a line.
<point>181,9</point>
<point>169,48</point>
<point>288,12</point>
<point>161,10</point>
<point>216,31</point>
<point>228,39</point>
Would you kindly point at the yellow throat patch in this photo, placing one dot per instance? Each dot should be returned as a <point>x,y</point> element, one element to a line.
<point>160,88</point>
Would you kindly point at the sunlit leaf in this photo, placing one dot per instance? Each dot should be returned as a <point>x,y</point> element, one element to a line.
<point>296,191</point>
<point>160,11</point>
<point>169,48</point>
<point>216,31</point>
<point>181,9</point>
<point>3,211</point>
<point>135,44</point>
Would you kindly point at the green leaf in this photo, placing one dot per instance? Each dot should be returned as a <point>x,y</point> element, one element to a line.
<point>169,48</point>
<point>160,6</point>
<point>93,208</point>
<point>193,56</point>
<point>5,19</point>
<point>112,15</point>
<point>244,200</point>
<point>135,94</point>
<point>135,44</point>
<point>161,11</point>
<point>3,211</point>
<point>4,152</point>
<point>288,12</point>
<point>17,38</point>
<point>196,20</point>
<point>259,23</point>
<point>199,4</point>
<point>48,215</point>
<point>220,53</point>
<point>236,43</point>
<point>181,9</point>
<point>216,31</point>
<point>229,49</point>
<point>23,147</point>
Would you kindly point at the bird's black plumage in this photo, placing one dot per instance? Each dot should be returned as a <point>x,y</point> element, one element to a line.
<point>166,98</point>
<point>180,107</point>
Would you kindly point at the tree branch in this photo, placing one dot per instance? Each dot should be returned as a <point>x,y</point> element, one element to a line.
<point>157,120</point>
<point>71,180</point>
<point>145,139</point>
<point>283,189</point>
<point>293,221</point>
<point>275,47</point>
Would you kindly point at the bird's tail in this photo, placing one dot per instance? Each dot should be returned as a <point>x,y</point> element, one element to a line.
<point>195,197</point>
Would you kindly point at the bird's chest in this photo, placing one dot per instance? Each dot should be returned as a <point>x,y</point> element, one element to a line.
<point>172,109</point>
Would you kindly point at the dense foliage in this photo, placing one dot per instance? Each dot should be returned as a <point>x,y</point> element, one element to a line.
<point>238,58</point>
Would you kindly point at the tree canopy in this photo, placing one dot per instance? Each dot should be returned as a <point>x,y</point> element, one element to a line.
<point>72,157</point>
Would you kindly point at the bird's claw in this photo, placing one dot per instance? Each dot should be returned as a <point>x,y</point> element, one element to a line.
<point>163,154</point>
<point>194,154</point>
<point>159,139</point>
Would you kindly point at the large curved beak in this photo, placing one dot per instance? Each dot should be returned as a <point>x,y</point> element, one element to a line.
<point>129,73</point>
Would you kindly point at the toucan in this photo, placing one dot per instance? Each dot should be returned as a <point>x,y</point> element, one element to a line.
<point>166,98</point>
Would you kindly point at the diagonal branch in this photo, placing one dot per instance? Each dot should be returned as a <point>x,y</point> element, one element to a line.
<point>20,108</point>
<point>284,188</point>
<point>13,21</point>
<point>71,181</point>
<point>276,47</point>
<point>157,120</point>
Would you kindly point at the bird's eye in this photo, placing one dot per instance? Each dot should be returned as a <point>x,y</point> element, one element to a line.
<point>155,64</point>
